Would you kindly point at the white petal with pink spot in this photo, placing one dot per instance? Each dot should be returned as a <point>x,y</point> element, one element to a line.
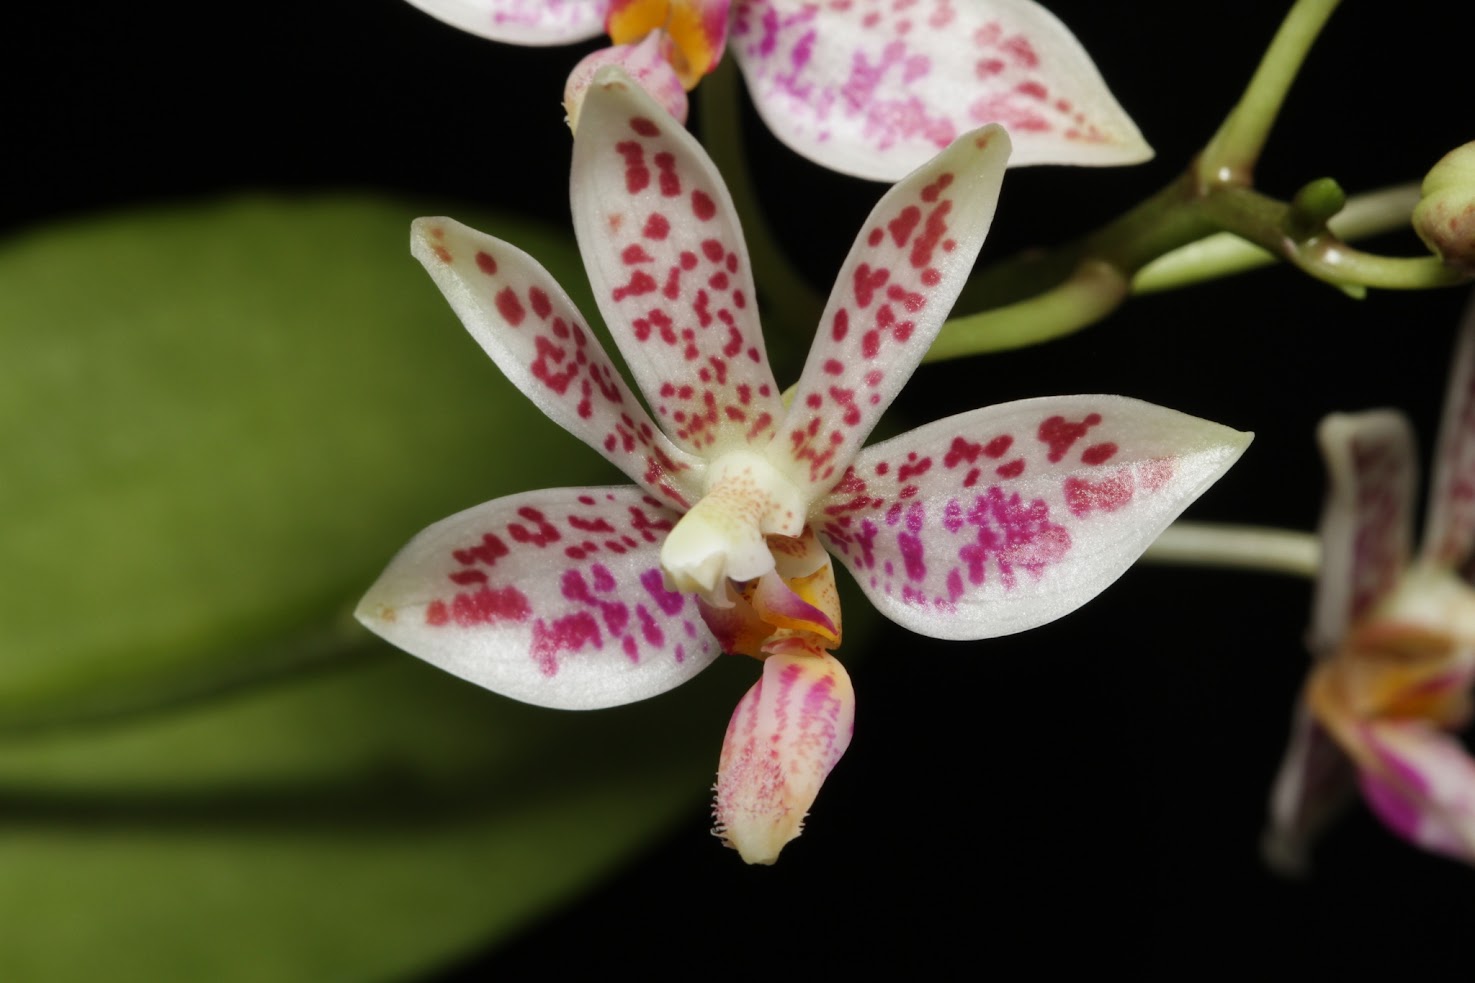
<point>669,268</point>
<point>528,22</point>
<point>1010,516</point>
<point>551,597</point>
<point>895,289</point>
<point>876,87</point>
<point>522,318</point>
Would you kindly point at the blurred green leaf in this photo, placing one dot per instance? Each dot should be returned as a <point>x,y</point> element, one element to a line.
<point>218,424</point>
<point>379,819</point>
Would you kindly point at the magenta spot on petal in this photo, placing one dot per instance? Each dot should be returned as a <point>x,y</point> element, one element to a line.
<point>669,601</point>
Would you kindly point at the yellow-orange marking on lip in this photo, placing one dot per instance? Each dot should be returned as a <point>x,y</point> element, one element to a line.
<point>698,31</point>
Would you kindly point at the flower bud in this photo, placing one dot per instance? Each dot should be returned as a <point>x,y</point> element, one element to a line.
<point>648,63</point>
<point>1445,215</point>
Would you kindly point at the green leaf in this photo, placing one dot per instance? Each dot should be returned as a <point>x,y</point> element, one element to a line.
<point>377,820</point>
<point>219,424</point>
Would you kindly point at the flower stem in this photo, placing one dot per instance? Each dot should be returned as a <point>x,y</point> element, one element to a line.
<point>1315,249</point>
<point>1083,298</point>
<point>1231,154</point>
<point>1225,254</point>
<point>1238,547</point>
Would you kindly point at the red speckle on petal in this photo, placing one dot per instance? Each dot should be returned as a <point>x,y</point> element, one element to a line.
<point>541,305</point>
<point>644,127</point>
<point>656,227</point>
<point>483,607</point>
<point>488,551</point>
<point>486,263</point>
<point>1154,474</point>
<point>1023,53</point>
<point>1059,433</point>
<point>905,224</point>
<point>960,451</point>
<point>930,193</point>
<point>1099,453</point>
<point>641,282</point>
<point>510,307</point>
<point>670,181</point>
<point>867,281</point>
<point>922,248</point>
<point>1108,495</point>
<point>841,325</point>
<point>702,205</point>
<point>637,175</point>
<point>567,634</point>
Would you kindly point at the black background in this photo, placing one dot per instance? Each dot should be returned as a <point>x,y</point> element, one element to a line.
<point>1088,795</point>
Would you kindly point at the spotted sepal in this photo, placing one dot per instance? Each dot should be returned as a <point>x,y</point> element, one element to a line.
<point>1010,516</point>
<point>527,324</point>
<point>525,22</point>
<point>551,597</point>
<point>1367,521</point>
<point>670,271</point>
<point>1449,537</point>
<point>875,87</point>
<point>785,736</point>
<point>894,291</point>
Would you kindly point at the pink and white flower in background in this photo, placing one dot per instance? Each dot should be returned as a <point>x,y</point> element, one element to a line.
<point>1393,635</point>
<point>872,88</point>
<point>989,522</point>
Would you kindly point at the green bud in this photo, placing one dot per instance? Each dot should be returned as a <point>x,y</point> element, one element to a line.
<point>1445,215</point>
<point>1312,206</point>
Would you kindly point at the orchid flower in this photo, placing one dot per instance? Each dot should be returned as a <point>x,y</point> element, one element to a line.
<point>872,88</point>
<point>1393,636</point>
<point>986,523</point>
